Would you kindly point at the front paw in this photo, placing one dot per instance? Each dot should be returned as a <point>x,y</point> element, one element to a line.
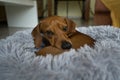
<point>49,50</point>
<point>41,53</point>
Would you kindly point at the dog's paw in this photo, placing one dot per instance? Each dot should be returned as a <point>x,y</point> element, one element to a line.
<point>49,50</point>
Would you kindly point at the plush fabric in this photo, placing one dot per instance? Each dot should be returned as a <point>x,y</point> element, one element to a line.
<point>18,61</point>
<point>114,7</point>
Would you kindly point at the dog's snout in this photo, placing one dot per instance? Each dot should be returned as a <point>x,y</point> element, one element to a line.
<point>66,45</point>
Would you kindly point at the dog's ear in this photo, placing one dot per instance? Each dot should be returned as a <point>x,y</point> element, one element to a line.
<point>37,36</point>
<point>71,25</point>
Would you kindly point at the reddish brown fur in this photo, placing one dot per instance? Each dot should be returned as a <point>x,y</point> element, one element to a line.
<point>56,25</point>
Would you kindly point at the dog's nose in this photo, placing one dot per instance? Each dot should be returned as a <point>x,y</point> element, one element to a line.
<point>66,45</point>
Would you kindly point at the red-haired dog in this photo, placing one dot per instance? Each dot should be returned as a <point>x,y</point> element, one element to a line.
<point>58,34</point>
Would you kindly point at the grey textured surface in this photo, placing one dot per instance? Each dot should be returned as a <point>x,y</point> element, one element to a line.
<point>18,61</point>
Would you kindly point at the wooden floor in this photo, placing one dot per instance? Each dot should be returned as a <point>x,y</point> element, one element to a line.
<point>7,31</point>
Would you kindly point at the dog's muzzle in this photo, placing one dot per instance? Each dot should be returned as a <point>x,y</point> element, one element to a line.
<point>66,45</point>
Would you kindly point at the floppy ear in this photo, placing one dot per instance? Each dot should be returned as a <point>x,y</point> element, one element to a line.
<point>71,25</point>
<point>37,36</point>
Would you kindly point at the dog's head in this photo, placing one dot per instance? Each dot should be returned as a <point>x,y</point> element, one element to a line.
<point>56,30</point>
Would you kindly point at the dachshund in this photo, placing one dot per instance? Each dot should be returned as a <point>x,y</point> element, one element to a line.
<point>57,35</point>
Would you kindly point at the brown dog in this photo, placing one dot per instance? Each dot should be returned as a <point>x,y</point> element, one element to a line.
<point>58,34</point>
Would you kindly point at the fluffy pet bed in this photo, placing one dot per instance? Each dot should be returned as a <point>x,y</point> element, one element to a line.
<point>18,61</point>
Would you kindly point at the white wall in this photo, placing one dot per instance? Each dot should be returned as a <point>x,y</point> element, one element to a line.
<point>18,2</point>
<point>22,16</point>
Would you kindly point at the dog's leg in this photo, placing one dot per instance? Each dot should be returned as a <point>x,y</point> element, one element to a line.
<point>49,50</point>
<point>79,40</point>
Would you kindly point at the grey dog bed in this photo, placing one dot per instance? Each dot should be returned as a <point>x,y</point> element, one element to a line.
<point>18,61</point>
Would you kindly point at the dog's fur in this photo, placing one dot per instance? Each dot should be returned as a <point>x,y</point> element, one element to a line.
<point>58,34</point>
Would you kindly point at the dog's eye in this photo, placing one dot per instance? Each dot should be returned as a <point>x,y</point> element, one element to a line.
<point>65,28</point>
<point>49,33</point>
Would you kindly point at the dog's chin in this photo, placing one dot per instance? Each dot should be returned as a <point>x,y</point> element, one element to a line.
<point>64,48</point>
